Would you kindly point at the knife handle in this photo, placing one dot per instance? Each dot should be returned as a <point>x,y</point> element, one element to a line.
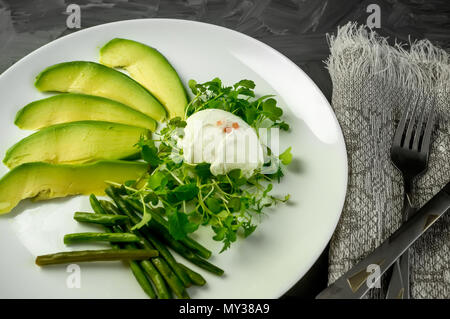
<point>399,283</point>
<point>356,282</point>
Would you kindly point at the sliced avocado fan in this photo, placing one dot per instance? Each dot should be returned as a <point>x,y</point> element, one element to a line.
<point>77,142</point>
<point>151,69</point>
<point>96,79</point>
<point>74,107</point>
<point>42,181</point>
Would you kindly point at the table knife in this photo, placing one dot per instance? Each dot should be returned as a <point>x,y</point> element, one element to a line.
<point>356,282</point>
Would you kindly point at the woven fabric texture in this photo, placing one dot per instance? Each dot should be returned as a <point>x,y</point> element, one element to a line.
<point>373,83</point>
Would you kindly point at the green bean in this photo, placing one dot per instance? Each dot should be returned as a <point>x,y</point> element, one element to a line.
<point>154,275</point>
<point>189,255</point>
<point>157,279</point>
<point>163,251</point>
<point>95,255</point>
<point>139,273</point>
<point>182,250</point>
<point>95,204</point>
<point>157,220</point>
<point>100,219</point>
<point>147,266</point>
<point>172,243</point>
<point>167,255</point>
<point>195,277</point>
<point>171,278</point>
<point>76,238</point>
<point>188,242</point>
<point>136,268</point>
<point>111,207</point>
<point>142,278</point>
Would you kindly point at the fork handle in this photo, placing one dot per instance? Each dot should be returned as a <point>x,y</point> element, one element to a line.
<point>408,208</point>
<point>399,285</point>
<point>357,281</point>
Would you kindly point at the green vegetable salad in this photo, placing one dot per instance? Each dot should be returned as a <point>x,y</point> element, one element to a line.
<point>188,194</point>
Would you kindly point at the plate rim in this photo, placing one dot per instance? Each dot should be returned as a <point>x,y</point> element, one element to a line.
<point>340,137</point>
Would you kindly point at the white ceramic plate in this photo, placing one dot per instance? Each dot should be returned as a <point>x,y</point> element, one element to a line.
<point>290,237</point>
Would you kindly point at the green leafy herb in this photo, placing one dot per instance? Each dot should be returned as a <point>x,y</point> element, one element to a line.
<point>286,156</point>
<point>157,180</point>
<point>179,225</point>
<point>185,192</point>
<point>239,99</point>
<point>146,217</point>
<point>189,195</point>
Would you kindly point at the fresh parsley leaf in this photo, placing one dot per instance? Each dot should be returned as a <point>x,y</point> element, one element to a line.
<point>177,122</point>
<point>179,225</point>
<point>223,214</point>
<point>129,183</point>
<point>150,155</point>
<point>157,180</point>
<point>250,115</point>
<point>235,204</point>
<point>146,218</point>
<point>213,204</point>
<point>245,83</point>
<point>246,92</point>
<point>249,228</point>
<point>282,125</point>
<point>186,192</point>
<point>220,233</point>
<point>239,99</point>
<point>271,110</point>
<point>151,198</point>
<point>286,156</point>
<point>193,86</point>
<point>277,175</point>
<point>237,178</point>
<point>203,170</point>
<point>230,237</point>
<point>267,190</point>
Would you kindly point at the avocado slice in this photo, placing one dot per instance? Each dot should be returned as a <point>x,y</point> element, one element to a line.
<point>96,79</point>
<point>74,107</point>
<point>151,69</point>
<point>43,181</point>
<point>77,142</point>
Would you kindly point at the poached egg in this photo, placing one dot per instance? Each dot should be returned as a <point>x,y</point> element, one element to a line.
<point>222,139</point>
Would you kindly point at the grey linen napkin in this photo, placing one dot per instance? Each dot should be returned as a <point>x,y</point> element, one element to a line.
<point>372,84</point>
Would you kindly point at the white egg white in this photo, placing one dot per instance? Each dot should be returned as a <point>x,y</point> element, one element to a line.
<point>222,139</point>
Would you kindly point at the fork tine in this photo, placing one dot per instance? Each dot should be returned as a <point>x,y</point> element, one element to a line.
<point>419,132</point>
<point>401,128</point>
<point>409,131</point>
<point>426,140</point>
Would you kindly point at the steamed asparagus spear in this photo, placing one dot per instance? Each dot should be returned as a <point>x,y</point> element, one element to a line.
<point>95,255</point>
<point>140,269</point>
<point>174,244</point>
<point>96,237</point>
<point>195,277</point>
<point>163,251</point>
<point>101,219</point>
<point>161,265</point>
<point>142,279</point>
<point>188,242</point>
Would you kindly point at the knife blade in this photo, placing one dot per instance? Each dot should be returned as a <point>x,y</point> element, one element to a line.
<point>356,282</point>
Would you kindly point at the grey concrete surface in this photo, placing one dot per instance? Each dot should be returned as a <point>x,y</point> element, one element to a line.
<point>296,28</point>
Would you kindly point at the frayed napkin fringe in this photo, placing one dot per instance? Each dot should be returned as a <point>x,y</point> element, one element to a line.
<point>355,49</point>
<point>373,83</point>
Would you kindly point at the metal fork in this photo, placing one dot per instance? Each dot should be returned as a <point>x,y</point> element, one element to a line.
<point>409,154</point>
